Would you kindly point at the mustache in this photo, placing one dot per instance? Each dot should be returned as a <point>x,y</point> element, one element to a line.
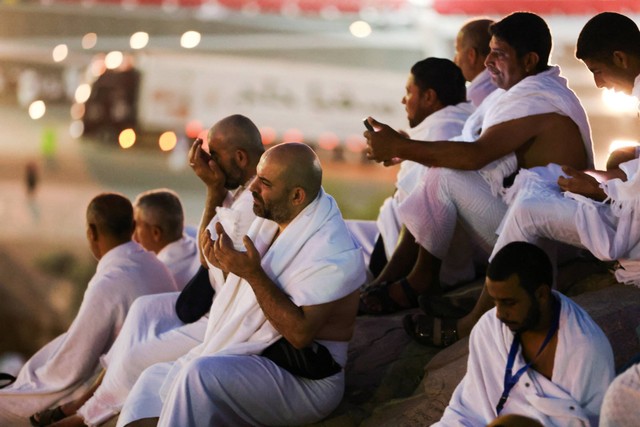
<point>257,197</point>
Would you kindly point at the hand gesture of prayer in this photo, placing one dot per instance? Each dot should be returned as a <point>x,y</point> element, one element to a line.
<point>381,144</point>
<point>205,167</point>
<point>207,250</point>
<point>242,264</point>
<point>581,183</point>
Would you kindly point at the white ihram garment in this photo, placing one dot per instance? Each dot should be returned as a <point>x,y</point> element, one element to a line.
<point>152,333</point>
<point>65,365</point>
<point>314,261</point>
<point>582,369</point>
<point>181,258</point>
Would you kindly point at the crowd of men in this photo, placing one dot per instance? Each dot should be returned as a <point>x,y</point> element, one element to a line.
<point>249,322</point>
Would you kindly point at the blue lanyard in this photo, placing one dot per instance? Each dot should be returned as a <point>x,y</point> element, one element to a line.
<point>511,380</point>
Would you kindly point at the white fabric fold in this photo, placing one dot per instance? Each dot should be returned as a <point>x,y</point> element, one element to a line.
<point>583,368</point>
<point>480,87</point>
<point>542,93</point>
<point>181,258</point>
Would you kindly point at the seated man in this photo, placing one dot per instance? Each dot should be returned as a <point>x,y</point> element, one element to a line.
<point>160,229</point>
<point>609,45</point>
<point>620,407</point>
<point>436,109</point>
<point>536,120</point>
<point>536,354</point>
<point>125,271</point>
<point>298,280</point>
<point>153,332</point>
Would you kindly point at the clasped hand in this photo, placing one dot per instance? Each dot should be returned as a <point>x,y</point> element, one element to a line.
<point>382,144</point>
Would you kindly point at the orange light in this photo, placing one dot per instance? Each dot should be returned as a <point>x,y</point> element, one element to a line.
<point>293,135</point>
<point>328,140</point>
<point>204,136</point>
<point>356,143</point>
<point>127,138</point>
<point>268,135</point>
<point>77,111</point>
<point>193,128</point>
<point>167,141</point>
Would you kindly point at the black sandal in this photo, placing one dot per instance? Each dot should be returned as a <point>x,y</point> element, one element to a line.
<point>6,377</point>
<point>429,330</point>
<point>47,417</point>
<point>386,304</point>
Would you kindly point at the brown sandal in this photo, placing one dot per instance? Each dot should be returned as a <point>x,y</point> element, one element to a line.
<point>386,305</point>
<point>47,417</point>
<point>429,330</point>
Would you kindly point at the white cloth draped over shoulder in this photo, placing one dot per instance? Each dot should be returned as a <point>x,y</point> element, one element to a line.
<point>542,93</point>
<point>65,364</point>
<point>153,333</point>
<point>480,87</point>
<point>615,236</point>
<point>314,261</point>
<point>583,368</point>
<point>181,258</point>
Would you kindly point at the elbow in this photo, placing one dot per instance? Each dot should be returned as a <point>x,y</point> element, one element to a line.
<point>300,340</point>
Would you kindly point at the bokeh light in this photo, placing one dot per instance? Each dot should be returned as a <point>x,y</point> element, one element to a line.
<point>167,141</point>
<point>619,102</point>
<point>193,128</point>
<point>76,129</point>
<point>139,40</point>
<point>293,135</point>
<point>190,39</point>
<point>360,29</point>
<point>60,52</point>
<point>356,143</point>
<point>77,111</point>
<point>127,138</point>
<point>328,140</point>
<point>83,92</point>
<point>113,59</point>
<point>89,40</point>
<point>268,135</point>
<point>37,109</point>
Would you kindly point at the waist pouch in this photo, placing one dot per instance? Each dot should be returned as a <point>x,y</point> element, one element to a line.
<point>196,297</point>
<point>314,362</point>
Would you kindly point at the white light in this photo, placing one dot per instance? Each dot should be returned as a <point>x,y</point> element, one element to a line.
<point>616,144</point>
<point>360,29</point>
<point>60,52</point>
<point>89,40</point>
<point>113,59</point>
<point>37,109</point>
<point>76,129</point>
<point>190,39</point>
<point>83,92</point>
<point>619,102</point>
<point>139,40</point>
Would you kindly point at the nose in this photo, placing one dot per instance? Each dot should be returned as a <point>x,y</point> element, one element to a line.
<point>404,100</point>
<point>489,59</point>
<point>253,186</point>
<point>599,81</point>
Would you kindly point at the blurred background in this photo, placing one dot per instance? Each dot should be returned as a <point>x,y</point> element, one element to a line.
<point>100,95</point>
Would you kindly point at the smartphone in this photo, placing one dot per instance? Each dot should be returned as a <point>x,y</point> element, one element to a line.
<point>368,125</point>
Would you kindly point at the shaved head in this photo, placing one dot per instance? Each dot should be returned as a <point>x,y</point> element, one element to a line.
<point>300,166</point>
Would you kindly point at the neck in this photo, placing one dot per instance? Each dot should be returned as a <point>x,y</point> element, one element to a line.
<point>541,329</point>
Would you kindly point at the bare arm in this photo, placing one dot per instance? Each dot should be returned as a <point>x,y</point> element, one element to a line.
<point>299,325</point>
<point>494,143</point>
<point>618,157</point>
<point>208,171</point>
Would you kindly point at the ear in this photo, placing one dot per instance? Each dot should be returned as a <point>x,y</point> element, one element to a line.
<point>156,233</point>
<point>531,60</point>
<point>298,196</point>
<point>543,293</point>
<point>92,232</point>
<point>242,158</point>
<point>620,59</point>
<point>472,54</point>
<point>428,97</point>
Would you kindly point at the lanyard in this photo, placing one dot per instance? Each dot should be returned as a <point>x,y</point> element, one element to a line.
<point>511,380</point>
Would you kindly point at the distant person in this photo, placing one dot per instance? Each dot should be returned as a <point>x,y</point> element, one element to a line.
<point>436,109</point>
<point>31,178</point>
<point>536,354</point>
<point>293,289</point>
<point>160,229</point>
<point>125,271</point>
<point>156,329</point>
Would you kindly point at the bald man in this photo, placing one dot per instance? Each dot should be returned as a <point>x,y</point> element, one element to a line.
<point>125,271</point>
<point>293,290</point>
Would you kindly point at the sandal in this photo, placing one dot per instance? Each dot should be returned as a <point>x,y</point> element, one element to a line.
<point>430,330</point>
<point>47,417</point>
<point>386,305</point>
<point>10,379</point>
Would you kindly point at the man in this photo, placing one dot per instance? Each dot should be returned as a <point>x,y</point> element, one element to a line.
<point>536,354</point>
<point>570,210</point>
<point>471,48</point>
<point>436,109</point>
<point>297,279</point>
<point>125,271</point>
<point>536,120</point>
<point>153,332</point>
<point>160,229</point>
